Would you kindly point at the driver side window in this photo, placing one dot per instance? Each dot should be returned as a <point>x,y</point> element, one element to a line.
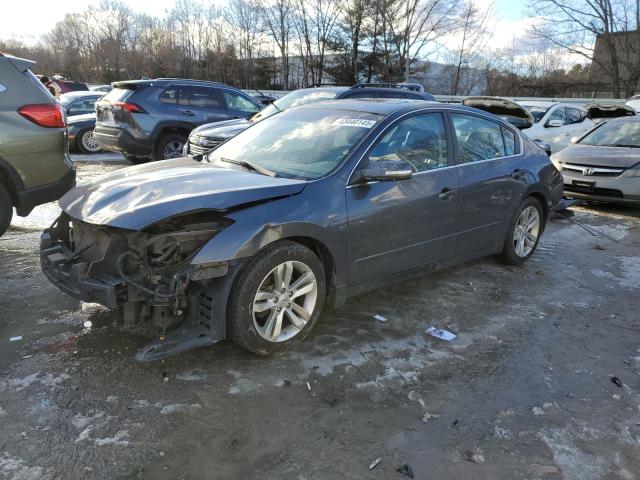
<point>419,141</point>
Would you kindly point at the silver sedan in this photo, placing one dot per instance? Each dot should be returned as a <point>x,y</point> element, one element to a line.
<point>604,164</point>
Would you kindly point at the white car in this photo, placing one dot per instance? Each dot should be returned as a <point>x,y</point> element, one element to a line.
<point>555,123</point>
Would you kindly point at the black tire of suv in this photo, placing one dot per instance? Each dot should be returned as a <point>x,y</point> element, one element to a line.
<point>508,256</point>
<point>240,323</point>
<point>6,209</point>
<point>158,151</point>
<point>136,160</point>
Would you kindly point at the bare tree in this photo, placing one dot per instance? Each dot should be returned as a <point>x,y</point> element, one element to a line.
<point>472,32</point>
<point>278,22</point>
<point>245,18</point>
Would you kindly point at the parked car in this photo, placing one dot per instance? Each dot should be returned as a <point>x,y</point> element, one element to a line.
<point>264,99</point>
<point>81,137</point>
<point>79,103</point>
<point>509,111</point>
<point>35,167</point>
<point>555,123</point>
<point>604,164</point>
<point>599,111</point>
<point>314,204</point>
<point>67,86</point>
<point>101,88</point>
<point>207,137</point>
<point>634,102</point>
<point>151,119</point>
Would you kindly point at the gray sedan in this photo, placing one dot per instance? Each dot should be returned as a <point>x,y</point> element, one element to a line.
<point>604,164</point>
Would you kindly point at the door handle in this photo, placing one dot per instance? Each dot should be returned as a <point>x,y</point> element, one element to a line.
<point>188,113</point>
<point>446,194</point>
<point>517,173</point>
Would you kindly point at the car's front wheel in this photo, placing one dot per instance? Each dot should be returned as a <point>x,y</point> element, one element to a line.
<point>87,143</point>
<point>277,298</point>
<point>6,209</point>
<point>524,232</point>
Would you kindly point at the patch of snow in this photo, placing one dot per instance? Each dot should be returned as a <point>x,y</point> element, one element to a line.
<point>192,376</point>
<point>117,439</point>
<point>48,380</point>
<point>630,267</point>
<point>178,407</point>
<point>81,421</point>
<point>15,468</point>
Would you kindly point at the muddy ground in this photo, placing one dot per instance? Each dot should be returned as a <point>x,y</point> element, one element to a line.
<point>525,391</point>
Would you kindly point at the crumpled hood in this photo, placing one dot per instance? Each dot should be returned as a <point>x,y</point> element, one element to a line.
<point>227,128</point>
<point>136,197</point>
<point>621,157</point>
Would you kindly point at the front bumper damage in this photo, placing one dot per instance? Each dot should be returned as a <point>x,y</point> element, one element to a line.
<point>146,275</point>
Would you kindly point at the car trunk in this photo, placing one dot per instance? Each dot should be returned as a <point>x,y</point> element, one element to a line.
<point>507,110</point>
<point>605,110</point>
<point>109,109</point>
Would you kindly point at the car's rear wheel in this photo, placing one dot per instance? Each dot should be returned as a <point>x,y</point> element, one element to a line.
<point>277,298</point>
<point>6,209</point>
<point>524,232</point>
<point>86,142</point>
<point>169,146</point>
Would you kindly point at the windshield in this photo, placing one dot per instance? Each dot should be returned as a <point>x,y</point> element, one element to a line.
<point>614,134</point>
<point>66,99</point>
<point>300,143</point>
<point>294,99</point>
<point>537,111</point>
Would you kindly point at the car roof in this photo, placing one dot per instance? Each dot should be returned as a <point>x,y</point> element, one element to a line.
<point>629,118</point>
<point>172,81</point>
<point>537,103</point>
<point>83,93</point>
<point>378,106</point>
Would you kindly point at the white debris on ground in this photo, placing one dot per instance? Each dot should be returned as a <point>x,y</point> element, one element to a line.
<point>178,407</point>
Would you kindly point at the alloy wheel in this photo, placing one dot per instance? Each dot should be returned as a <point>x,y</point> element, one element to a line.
<point>173,149</point>
<point>526,231</point>
<point>89,142</point>
<point>285,301</point>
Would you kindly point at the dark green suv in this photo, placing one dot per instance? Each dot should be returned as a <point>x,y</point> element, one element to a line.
<point>35,167</point>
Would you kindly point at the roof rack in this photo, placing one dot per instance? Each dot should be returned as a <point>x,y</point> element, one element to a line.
<point>318,85</point>
<point>186,80</point>
<point>403,86</point>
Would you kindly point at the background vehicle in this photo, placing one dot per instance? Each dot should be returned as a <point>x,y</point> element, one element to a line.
<point>67,86</point>
<point>79,103</point>
<point>321,201</point>
<point>81,138</point>
<point>556,123</point>
<point>34,164</point>
<point>152,118</point>
<point>599,111</point>
<point>604,164</point>
<point>634,102</point>
<point>100,88</point>
<point>209,136</point>
<point>264,99</point>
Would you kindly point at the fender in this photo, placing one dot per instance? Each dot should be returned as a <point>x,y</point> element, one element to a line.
<point>155,134</point>
<point>11,180</point>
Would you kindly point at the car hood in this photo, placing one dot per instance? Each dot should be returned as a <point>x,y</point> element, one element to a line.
<point>228,128</point>
<point>599,156</point>
<point>605,110</point>
<point>509,111</point>
<point>136,197</point>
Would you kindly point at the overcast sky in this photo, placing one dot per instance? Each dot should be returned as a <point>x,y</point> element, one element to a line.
<point>27,20</point>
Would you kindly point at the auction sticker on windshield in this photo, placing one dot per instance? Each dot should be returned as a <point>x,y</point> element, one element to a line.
<point>354,122</point>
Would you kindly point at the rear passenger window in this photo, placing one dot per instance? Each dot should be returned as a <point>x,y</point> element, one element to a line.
<point>362,95</point>
<point>478,139</point>
<point>170,96</point>
<point>393,95</point>
<point>509,141</point>
<point>420,141</point>
<point>574,115</point>
<point>200,97</point>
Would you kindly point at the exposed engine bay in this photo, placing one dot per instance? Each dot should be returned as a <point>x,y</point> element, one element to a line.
<point>146,274</point>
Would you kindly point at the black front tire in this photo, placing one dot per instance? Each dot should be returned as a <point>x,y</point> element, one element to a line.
<point>508,256</point>
<point>164,142</point>
<point>6,209</point>
<point>241,326</point>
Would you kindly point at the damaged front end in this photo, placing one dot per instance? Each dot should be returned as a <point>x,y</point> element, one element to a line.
<point>147,275</point>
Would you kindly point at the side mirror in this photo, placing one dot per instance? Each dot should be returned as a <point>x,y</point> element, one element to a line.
<point>555,123</point>
<point>575,139</point>
<point>384,171</point>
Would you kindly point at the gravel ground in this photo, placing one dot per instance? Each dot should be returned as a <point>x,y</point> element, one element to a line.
<point>524,391</point>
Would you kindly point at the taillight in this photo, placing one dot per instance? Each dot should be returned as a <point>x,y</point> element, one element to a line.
<point>129,107</point>
<point>46,115</point>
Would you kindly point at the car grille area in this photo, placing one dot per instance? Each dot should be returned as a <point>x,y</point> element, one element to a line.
<point>593,170</point>
<point>200,145</point>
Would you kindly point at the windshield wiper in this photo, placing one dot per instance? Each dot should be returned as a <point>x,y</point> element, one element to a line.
<point>625,145</point>
<point>250,166</point>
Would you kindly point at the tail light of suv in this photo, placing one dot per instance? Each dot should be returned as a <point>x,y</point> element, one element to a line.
<point>46,115</point>
<point>129,107</point>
